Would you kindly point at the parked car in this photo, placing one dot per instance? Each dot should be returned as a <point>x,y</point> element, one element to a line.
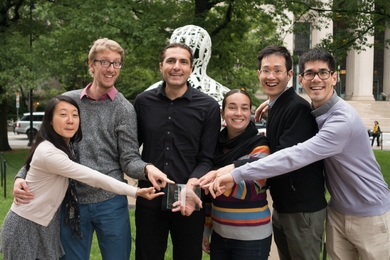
<point>261,125</point>
<point>23,125</point>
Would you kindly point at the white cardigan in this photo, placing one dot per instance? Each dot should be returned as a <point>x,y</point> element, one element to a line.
<point>48,179</point>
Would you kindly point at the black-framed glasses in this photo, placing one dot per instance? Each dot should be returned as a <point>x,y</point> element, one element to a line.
<point>107,63</point>
<point>322,74</point>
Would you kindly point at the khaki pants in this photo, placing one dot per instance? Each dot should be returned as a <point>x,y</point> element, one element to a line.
<point>348,237</point>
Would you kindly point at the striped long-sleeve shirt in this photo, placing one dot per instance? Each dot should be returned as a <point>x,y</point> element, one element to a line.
<point>242,212</point>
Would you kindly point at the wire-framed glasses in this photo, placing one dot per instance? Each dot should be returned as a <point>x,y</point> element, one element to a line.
<point>107,63</point>
<point>322,74</point>
<point>267,73</point>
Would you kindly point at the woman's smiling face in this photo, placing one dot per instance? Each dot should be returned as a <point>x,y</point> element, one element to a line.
<point>237,113</point>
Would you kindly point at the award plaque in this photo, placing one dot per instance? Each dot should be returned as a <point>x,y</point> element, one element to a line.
<point>180,195</point>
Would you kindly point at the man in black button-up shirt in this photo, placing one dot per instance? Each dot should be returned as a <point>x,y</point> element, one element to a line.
<point>178,127</point>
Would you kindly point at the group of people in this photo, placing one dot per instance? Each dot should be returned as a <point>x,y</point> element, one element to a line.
<point>179,130</point>
<point>358,212</point>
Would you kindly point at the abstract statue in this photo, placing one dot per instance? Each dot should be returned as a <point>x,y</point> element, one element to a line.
<point>199,41</point>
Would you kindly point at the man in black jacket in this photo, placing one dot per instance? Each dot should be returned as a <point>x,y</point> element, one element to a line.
<point>298,197</point>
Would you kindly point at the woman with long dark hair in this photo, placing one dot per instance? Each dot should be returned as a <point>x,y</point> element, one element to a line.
<point>32,231</point>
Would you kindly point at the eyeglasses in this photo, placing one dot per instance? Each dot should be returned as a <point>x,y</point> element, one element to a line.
<point>107,63</point>
<point>276,73</point>
<point>322,74</point>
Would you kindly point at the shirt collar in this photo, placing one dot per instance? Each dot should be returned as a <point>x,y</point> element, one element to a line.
<point>109,95</point>
<point>327,106</point>
<point>270,104</point>
<point>187,94</point>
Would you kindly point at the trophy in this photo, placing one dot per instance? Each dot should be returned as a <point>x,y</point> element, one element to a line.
<point>183,195</point>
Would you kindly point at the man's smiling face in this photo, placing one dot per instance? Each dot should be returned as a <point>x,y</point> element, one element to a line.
<point>176,67</point>
<point>105,77</point>
<point>319,90</point>
<point>275,83</point>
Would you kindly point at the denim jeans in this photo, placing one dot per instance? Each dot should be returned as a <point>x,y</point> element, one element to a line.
<point>231,249</point>
<point>110,220</point>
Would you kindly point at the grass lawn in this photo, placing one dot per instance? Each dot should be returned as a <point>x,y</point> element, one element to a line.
<point>15,160</point>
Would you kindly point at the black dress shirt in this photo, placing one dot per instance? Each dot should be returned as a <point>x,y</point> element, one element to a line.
<point>178,136</point>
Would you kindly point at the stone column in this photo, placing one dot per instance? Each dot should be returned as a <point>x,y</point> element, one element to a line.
<point>360,67</point>
<point>386,67</point>
<point>289,39</point>
<point>326,29</point>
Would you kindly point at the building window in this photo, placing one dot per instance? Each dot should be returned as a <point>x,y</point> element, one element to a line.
<point>302,38</point>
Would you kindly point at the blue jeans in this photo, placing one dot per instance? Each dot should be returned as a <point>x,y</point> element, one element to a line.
<point>110,219</point>
<point>231,249</point>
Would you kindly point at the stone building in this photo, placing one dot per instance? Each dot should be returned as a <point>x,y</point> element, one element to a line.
<point>362,76</point>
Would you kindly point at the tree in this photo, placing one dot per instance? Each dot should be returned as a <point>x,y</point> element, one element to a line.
<point>63,31</point>
<point>353,21</point>
<point>16,63</point>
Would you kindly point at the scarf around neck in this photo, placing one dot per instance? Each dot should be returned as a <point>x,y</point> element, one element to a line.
<point>72,211</point>
<point>237,147</point>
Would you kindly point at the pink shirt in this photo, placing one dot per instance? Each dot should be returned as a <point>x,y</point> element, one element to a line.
<point>109,95</point>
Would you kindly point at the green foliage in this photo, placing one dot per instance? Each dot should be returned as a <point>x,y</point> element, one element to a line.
<point>239,29</point>
<point>353,21</point>
<point>52,39</point>
<point>61,43</point>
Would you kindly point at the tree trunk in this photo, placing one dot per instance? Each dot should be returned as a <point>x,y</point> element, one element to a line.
<point>4,145</point>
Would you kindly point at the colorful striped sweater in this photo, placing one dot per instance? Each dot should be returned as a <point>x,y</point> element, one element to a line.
<point>242,213</point>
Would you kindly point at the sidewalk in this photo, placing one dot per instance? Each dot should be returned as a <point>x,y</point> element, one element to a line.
<point>17,141</point>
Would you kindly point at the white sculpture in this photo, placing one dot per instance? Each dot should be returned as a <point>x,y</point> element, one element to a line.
<point>199,41</point>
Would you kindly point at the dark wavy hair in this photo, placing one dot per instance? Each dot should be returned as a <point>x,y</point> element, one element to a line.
<point>46,132</point>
